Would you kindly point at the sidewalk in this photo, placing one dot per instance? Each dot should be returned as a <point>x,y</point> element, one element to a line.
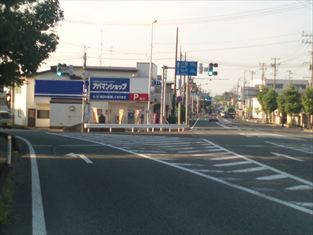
<point>293,128</point>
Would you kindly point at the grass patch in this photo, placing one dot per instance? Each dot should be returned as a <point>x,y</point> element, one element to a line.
<point>6,193</point>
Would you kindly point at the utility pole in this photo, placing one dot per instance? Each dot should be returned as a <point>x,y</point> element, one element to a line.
<point>262,67</point>
<point>289,76</point>
<point>308,39</point>
<point>150,76</point>
<point>274,65</point>
<point>252,74</point>
<point>174,96</point>
<point>186,101</point>
<point>163,95</point>
<point>244,93</point>
<point>84,95</point>
<point>180,94</point>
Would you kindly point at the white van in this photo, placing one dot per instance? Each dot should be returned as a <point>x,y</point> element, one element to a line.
<point>5,119</point>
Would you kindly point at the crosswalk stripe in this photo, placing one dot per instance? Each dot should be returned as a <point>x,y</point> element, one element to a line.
<point>272,177</point>
<point>233,163</point>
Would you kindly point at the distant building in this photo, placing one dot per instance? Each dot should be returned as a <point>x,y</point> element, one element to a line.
<point>281,84</point>
<point>249,105</point>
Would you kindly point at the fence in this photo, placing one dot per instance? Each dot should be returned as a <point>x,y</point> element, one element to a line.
<point>134,127</point>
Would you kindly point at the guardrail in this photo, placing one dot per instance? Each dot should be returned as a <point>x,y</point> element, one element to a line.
<point>134,127</point>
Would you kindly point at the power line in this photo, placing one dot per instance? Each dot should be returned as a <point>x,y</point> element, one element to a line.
<point>199,20</point>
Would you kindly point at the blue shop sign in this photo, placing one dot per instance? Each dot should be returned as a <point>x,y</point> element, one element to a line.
<point>59,88</point>
<point>105,85</point>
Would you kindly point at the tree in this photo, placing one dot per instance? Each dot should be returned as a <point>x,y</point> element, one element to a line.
<point>28,35</point>
<point>260,95</point>
<point>292,102</point>
<point>270,101</point>
<point>307,102</point>
<point>281,101</point>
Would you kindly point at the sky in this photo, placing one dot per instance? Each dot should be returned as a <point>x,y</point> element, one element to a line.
<point>238,35</point>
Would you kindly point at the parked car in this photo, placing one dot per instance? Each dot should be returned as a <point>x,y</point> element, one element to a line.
<point>5,119</point>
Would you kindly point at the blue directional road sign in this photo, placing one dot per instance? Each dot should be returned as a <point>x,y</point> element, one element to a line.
<point>188,68</point>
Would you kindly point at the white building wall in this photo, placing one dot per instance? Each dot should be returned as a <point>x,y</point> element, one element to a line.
<point>139,85</point>
<point>65,114</point>
<point>143,70</point>
<point>20,112</point>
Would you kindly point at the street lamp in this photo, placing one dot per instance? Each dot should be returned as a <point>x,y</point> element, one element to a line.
<point>150,73</point>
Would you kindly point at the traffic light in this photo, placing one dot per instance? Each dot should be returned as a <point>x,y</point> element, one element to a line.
<point>211,68</point>
<point>61,70</point>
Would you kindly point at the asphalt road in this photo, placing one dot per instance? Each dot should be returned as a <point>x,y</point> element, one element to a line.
<point>216,179</point>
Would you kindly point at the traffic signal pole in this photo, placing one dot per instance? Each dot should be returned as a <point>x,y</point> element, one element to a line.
<point>174,96</point>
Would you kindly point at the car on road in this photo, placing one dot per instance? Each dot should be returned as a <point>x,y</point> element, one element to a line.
<point>5,119</point>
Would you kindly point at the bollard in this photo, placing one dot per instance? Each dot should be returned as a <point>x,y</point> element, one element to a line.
<point>9,150</point>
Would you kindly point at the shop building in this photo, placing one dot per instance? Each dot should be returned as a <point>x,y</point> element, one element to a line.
<point>120,94</point>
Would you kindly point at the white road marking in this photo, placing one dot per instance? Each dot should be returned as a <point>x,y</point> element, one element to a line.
<point>195,123</point>
<point>78,145</point>
<point>200,155</point>
<point>252,169</point>
<point>232,163</point>
<point>261,134</point>
<point>286,156</point>
<point>148,151</point>
<point>224,158</point>
<point>38,218</point>
<point>82,156</point>
<point>305,204</point>
<point>209,147</point>
<point>261,164</point>
<point>220,124</point>
<point>299,187</point>
<point>208,171</point>
<point>87,160</point>
<point>175,148</point>
<point>272,177</point>
<point>191,151</point>
<point>188,164</point>
<point>247,190</point>
<point>288,147</point>
<point>213,150</point>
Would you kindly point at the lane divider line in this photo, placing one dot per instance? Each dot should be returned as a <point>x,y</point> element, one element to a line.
<point>38,218</point>
<point>266,166</point>
<point>288,147</point>
<point>286,156</point>
<point>255,193</point>
<point>299,187</point>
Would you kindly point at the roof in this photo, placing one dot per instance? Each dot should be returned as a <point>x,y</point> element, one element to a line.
<point>96,68</point>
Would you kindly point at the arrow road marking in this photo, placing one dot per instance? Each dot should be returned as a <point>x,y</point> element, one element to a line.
<point>286,156</point>
<point>82,156</point>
